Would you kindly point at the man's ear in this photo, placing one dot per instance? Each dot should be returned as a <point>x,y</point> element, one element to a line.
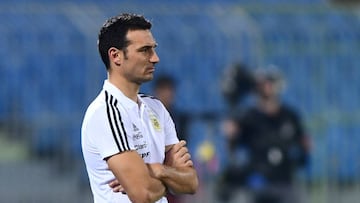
<point>115,56</point>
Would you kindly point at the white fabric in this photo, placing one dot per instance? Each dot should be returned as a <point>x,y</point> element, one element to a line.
<point>114,123</point>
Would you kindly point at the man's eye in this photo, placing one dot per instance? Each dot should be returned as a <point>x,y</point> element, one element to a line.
<point>146,49</point>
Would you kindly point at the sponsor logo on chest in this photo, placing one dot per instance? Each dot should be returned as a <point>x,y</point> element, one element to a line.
<point>140,143</point>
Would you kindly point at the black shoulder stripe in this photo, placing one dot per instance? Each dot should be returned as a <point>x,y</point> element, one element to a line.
<point>126,143</point>
<point>114,120</point>
<point>109,119</point>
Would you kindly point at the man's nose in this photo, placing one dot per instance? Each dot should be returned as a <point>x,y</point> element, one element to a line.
<point>154,58</point>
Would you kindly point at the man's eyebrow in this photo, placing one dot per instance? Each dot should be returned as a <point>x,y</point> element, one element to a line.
<point>148,46</point>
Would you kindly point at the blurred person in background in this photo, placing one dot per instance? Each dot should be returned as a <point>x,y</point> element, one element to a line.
<point>267,145</point>
<point>165,91</point>
<point>129,142</point>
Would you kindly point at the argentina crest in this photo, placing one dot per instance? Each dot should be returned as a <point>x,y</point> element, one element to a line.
<point>154,121</point>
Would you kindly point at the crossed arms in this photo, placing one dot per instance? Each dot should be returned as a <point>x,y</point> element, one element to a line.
<point>146,183</point>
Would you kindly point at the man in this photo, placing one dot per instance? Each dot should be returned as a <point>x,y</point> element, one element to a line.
<point>271,141</point>
<point>130,147</point>
<point>165,90</point>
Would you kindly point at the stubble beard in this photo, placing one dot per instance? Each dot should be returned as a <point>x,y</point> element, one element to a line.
<point>142,80</point>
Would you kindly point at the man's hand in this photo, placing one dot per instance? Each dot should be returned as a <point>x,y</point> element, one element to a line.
<point>174,172</point>
<point>116,187</point>
<point>179,176</point>
<point>178,156</point>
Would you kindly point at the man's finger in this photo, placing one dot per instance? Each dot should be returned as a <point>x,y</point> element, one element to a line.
<point>119,189</point>
<point>114,183</point>
<point>187,156</point>
<point>189,163</point>
<point>178,146</point>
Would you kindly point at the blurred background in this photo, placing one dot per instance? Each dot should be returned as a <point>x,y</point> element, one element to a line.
<point>51,70</point>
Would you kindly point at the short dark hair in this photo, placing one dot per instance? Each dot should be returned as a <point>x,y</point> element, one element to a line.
<point>114,30</point>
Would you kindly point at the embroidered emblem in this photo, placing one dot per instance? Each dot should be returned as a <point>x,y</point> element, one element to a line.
<point>154,121</point>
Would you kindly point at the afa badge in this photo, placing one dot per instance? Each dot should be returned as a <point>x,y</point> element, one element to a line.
<point>155,123</point>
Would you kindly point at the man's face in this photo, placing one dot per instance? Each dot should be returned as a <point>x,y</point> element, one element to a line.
<point>267,88</point>
<point>140,57</point>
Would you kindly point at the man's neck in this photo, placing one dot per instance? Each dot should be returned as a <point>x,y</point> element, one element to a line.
<point>129,89</point>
